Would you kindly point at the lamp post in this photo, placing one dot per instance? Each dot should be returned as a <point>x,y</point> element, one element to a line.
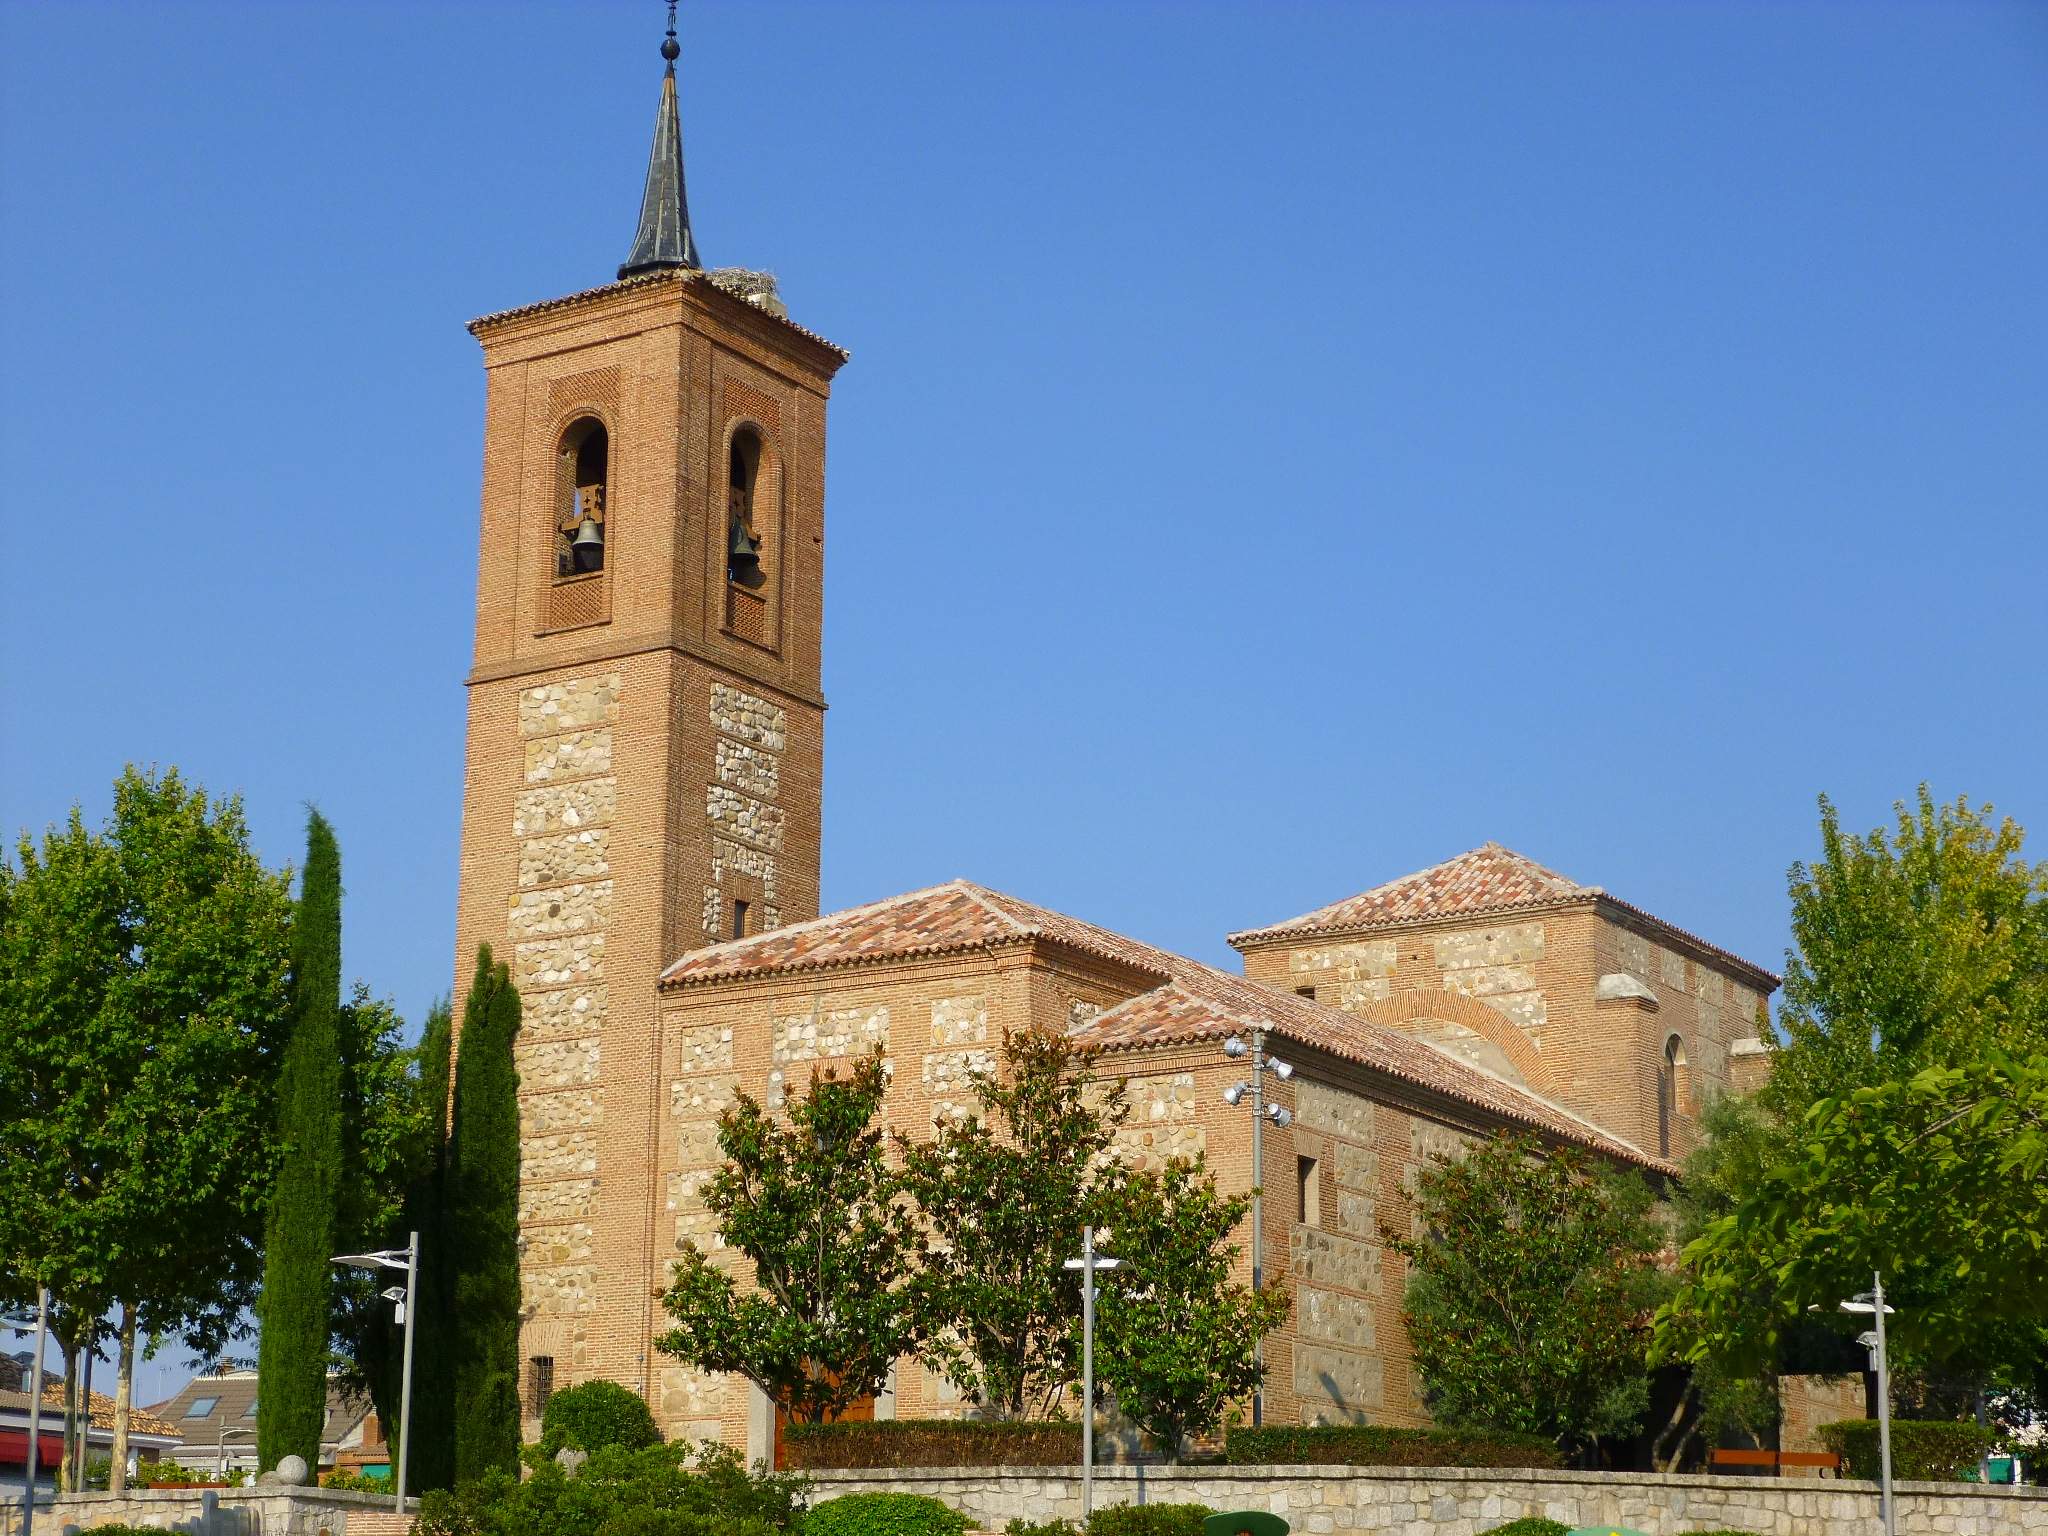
<point>1234,1095</point>
<point>1088,1264</point>
<point>220,1447</point>
<point>407,1259</point>
<point>35,1412</point>
<point>1872,1301</point>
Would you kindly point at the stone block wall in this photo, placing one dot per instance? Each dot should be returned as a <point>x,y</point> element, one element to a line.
<point>1366,1501</point>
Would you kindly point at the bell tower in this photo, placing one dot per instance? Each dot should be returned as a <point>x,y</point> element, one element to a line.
<point>646,730</point>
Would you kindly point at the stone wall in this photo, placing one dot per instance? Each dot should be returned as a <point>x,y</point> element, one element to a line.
<point>1338,1501</point>
<point>741,810</point>
<point>230,1512</point>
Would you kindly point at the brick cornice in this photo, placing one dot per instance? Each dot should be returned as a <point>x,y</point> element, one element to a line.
<point>640,645</point>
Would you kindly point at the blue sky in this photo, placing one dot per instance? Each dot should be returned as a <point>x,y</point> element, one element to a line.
<point>1285,444</point>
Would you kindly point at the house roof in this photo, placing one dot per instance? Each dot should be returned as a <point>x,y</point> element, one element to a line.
<point>234,1407</point>
<point>1486,880</point>
<point>1176,1000</point>
<point>101,1411</point>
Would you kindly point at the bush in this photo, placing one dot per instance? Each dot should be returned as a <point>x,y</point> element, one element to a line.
<point>1378,1445</point>
<point>883,1514</point>
<point>1041,1528</point>
<point>360,1482</point>
<point>1923,1450</point>
<point>663,1490</point>
<point>933,1443</point>
<point>159,1474</point>
<point>1532,1525</point>
<point>1149,1520</point>
<point>596,1416</point>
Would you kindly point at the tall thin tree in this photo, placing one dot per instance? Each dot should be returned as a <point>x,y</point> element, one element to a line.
<point>291,1359</point>
<point>433,1388</point>
<point>482,1226</point>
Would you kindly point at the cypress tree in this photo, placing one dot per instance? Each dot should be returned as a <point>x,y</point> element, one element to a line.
<point>482,1227</point>
<point>432,1452</point>
<point>292,1352</point>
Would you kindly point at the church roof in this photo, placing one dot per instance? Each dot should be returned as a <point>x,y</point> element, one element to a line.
<point>663,239</point>
<point>1180,1000</point>
<point>1487,880</point>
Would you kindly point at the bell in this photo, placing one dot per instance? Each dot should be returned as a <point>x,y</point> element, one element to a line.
<point>743,551</point>
<point>589,538</point>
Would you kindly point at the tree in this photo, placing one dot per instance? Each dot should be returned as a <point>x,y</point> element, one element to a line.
<point>1939,1182</point>
<point>1928,945</point>
<point>1532,1274</point>
<point>143,978</point>
<point>394,1131</point>
<point>1177,1338</point>
<point>1921,948</point>
<point>481,1227</point>
<point>817,1210</point>
<point>291,1358</point>
<point>1003,1197</point>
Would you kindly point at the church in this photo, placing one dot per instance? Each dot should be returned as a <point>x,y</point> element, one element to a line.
<point>640,837</point>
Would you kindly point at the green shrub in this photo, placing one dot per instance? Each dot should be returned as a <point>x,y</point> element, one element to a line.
<point>1041,1528</point>
<point>1923,1450</point>
<point>1379,1445</point>
<point>596,1416</point>
<point>360,1482</point>
<point>883,1514</point>
<point>1148,1520</point>
<point>1532,1525</point>
<point>933,1443</point>
<point>697,1491</point>
<point>157,1474</point>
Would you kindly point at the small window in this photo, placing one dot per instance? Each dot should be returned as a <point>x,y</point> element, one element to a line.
<point>202,1407</point>
<point>1670,1092</point>
<point>739,919</point>
<point>1308,1173</point>
<point>1307,992</point>
<point>540,1383</point>
<point>250,1411</point>
<point>580,514</point>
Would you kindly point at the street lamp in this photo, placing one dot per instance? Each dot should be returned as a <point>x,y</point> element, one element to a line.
<point>1279,1114</point>
<point>407,1259</point>
<point>1872,1301</point>
<point>220,1447</point>
<point>1089,1265</point>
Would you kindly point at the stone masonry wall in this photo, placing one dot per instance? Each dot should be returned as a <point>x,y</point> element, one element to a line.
<point>1341,1501</point>
<point>741,810</point>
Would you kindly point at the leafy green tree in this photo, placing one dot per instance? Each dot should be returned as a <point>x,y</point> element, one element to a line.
<point>1177,1338</point>
<point>1939,1182</point>
<point>1003,1196</point>
<point>143,982</point>
<point>291,1358</point>
<point>1532,1274</point>
<point>433,1341</point>
<point>1924,946</point>
<point>818,1211</point>
<point>394,1123</point>
<point>481,1227</point>
<point>1921,947</point>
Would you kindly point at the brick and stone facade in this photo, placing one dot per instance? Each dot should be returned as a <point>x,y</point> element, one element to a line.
<point>639,765</point>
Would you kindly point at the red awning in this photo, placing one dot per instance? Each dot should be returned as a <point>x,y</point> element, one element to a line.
<point>14,1448</point>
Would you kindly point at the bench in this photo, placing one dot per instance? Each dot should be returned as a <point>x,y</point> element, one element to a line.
<point>1777,1461</point>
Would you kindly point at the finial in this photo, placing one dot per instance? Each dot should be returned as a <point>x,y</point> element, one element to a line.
<point>670,49</point>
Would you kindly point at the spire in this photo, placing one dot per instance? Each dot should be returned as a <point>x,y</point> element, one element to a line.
<point>663,239</point>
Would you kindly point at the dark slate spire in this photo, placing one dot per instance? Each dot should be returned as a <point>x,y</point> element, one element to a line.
<point>663,239</point>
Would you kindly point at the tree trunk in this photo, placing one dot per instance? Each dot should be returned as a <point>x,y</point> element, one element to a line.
<point>92,1352</point>
<point>124,1394</point>
<point>68,1461</point>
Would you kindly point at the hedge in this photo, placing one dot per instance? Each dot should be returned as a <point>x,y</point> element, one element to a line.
<point>1148,1520</point>
<point>883,1514</point>
<point>1380,1445</point>
<point>596,1414</point>
<point>931,1443</point>
<point>1923,1450</point>
<point>1530,1525</point>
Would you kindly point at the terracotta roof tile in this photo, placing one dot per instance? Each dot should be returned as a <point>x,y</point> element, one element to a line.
<point>1489,879</point>
<point>1177,999</point>
<point>641,280</point>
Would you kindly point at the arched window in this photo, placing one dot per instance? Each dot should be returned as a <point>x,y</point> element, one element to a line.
<point>744,543</point>
<point>1670,1092</point>
<point>584,467</point>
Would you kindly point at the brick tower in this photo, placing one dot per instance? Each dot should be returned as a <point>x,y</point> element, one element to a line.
<point>645,721</point>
